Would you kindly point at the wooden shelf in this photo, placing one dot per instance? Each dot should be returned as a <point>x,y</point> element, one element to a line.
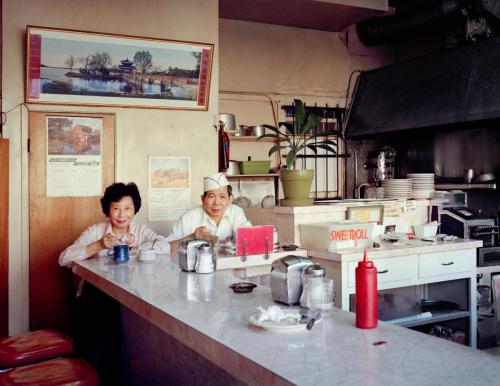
<point>250,139</point>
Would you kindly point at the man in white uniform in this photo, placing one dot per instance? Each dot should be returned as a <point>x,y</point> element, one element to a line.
<point>217,215</point>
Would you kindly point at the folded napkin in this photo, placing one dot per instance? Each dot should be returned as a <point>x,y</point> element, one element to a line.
<point>276,314</point>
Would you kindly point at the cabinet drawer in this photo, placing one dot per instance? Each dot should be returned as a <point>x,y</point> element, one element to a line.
<point>389,269</point>
<point>443,263</point>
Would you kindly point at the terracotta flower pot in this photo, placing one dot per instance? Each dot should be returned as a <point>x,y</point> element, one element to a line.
<point>296,187</point>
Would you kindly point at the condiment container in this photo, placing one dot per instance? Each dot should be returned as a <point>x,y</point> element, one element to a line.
<point>313,290</point>
<point>204,259</point>
<point>366,294</point>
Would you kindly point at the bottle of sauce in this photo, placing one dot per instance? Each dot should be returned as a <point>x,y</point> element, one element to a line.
<point>223,142</point>
<point>366,294</point>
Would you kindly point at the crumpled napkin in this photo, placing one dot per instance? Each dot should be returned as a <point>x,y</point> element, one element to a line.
<point>276,314</point>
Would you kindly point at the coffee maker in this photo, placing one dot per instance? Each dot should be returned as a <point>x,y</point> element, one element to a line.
<point>380,165</point>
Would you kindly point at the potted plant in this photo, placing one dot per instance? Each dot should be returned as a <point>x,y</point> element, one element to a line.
<point>294,139</point>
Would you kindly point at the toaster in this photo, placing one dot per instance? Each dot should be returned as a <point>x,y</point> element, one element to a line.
<point>187,253</point>
<point>286,278</point>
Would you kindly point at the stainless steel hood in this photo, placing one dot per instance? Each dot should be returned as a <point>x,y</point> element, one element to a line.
<point>454,86</point>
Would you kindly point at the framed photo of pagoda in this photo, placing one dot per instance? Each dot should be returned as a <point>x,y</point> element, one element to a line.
<point>69,67</point>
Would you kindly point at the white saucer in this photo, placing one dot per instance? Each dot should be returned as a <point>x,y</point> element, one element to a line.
<point>284,325</point>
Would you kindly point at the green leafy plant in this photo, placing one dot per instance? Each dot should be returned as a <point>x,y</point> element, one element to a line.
<point>297,137</point>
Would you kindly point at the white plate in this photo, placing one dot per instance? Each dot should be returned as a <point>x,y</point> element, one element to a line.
<point>283,325</point>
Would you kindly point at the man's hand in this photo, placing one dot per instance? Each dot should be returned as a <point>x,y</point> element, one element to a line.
<point>198,232</point>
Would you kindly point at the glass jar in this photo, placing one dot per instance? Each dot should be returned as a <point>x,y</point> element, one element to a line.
<point>313,288</point>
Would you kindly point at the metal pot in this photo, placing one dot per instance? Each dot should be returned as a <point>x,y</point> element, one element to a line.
<point>257,131</point>
<point>229,122</point>
<point>233,169</point>
<point>486,177</point>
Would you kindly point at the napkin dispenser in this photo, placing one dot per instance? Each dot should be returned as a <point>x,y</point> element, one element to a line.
<point>187,253</point>
<point>286,278</point>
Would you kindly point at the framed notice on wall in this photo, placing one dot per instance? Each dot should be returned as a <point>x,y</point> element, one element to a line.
<point>89,68</point>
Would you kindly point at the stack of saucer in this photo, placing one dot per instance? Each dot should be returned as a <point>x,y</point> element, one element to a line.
<point>422,184</point>
<point>397,188</point>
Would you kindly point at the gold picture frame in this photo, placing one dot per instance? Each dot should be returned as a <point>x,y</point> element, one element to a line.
<point>69,67</point>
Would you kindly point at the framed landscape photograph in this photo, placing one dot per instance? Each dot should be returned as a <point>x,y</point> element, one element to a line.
<point>87,68</point>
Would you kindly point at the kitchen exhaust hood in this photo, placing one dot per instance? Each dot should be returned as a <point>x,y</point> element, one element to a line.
<point>454,86</point>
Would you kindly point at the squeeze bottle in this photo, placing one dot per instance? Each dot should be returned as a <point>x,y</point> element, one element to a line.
<point>366,294</point>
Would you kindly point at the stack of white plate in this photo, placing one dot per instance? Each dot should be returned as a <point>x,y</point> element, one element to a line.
<point>397,188</point>
<point>422,184</point>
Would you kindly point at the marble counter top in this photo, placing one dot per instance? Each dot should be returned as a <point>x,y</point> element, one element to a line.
<point>203,313</point>
<point>386,249</point>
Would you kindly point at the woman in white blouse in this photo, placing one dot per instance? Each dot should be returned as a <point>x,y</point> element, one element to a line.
<point>119,203</point>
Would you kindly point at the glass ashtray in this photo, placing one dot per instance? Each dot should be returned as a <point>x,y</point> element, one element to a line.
<point>242,287</point>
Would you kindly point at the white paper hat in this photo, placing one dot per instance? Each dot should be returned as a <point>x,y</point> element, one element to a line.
<point>216,181</point>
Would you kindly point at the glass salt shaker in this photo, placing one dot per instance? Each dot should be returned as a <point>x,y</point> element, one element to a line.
<point>313,290</point>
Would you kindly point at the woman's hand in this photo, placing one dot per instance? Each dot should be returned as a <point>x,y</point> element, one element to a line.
<point>198,232</point>
<point>109,240</point>
<point>130,240</point>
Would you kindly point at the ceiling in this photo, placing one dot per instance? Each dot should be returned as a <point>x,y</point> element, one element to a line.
<point>323,15</point>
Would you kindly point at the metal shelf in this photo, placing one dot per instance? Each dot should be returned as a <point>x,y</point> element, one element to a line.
<point>465,186</point>
<point>436,317</point>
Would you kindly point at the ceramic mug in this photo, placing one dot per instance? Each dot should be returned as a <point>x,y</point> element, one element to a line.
<point>120,253</point>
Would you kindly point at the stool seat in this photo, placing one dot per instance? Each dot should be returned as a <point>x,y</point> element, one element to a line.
<point>34,346</point>
<point>55,372</point>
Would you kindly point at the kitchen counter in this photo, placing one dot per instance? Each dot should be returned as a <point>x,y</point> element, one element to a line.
<point>206,316</point>
<point>402,213</point>
<point>387,249</point>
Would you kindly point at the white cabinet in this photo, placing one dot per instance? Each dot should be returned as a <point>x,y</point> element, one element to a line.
<point>390,270</point>
<point>412,267</point>
<point>445,263</point>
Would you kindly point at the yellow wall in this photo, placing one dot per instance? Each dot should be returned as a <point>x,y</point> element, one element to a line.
<point>140,132</point>
<point>263,64</point>
<point>277,63</point>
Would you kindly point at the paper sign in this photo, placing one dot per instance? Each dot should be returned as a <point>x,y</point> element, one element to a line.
<point>74,156</point>
<point>392,209</point>
<point>411,206</point>
<point>169,187</point>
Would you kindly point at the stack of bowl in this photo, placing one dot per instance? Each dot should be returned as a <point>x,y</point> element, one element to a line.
<point>397,188</point>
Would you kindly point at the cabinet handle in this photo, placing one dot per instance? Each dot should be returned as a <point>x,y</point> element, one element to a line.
<point>384,271</point>
<point>450,263</point>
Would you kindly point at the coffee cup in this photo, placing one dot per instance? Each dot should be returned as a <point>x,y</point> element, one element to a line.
<point>147,254</point>
<point>120,253</point>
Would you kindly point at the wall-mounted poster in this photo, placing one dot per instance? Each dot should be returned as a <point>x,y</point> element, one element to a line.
<point>87,68</point>
<point>169,187</point>
<point>74,156</point>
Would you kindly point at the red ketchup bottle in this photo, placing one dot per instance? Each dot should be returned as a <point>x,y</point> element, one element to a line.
<point>366,294</point>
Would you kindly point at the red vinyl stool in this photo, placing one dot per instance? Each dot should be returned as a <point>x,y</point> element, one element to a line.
<point>34,346</point>
<point>56,372</point>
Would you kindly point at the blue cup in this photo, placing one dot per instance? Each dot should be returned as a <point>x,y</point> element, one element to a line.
<point>120,253</point>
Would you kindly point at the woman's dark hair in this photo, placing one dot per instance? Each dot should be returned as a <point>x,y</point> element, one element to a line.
<point>116,192</point>
<point>229,191</point>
